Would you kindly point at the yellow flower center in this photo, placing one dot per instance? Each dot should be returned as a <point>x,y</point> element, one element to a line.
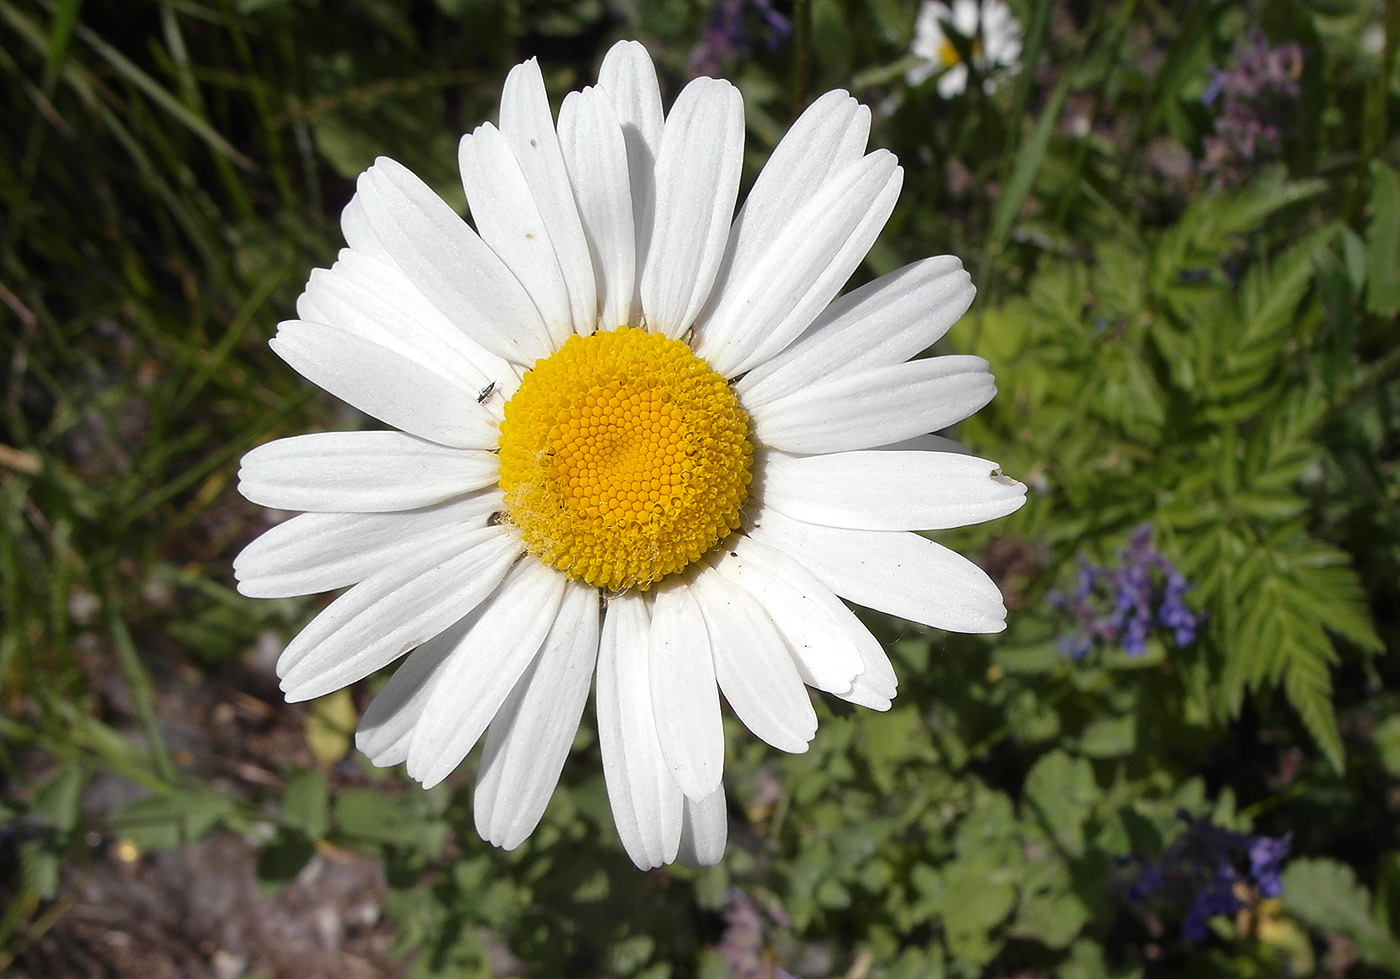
<point>624,458</point>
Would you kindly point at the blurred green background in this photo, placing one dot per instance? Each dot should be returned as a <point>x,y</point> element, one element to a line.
<point>1184,223</point>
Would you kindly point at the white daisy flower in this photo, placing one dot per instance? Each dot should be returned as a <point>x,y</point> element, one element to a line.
<point>988,24</point>
<point>635,440</point>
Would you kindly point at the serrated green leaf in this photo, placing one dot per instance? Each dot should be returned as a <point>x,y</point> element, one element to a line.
<point>1326,895</point>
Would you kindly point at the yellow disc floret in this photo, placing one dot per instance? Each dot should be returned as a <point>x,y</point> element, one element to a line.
<point>624,458</point>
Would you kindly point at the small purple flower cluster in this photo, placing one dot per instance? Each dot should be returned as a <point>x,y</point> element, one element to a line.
<point>1115,607</point>
<point>726,38</point>
<point>1258,97</point>
<point>1203,871</point>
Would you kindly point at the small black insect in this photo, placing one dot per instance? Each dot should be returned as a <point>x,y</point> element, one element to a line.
<point>485,393</point>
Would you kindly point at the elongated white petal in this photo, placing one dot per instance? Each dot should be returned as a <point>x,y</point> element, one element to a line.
<point>874,683</point>
<point>322,551</point>
<point>386,385</point>
<point>826,139</point>
<point>361,472</point>
<point>752,664</point>
<point>704,830</point>
<point>806,614</point>
<point>364,304</point>
<point>647,804</point>
<point>888,490</point>
<point>683,692</point>
<point>503,206</point>
<point>390,301</point>
<point>450,265</point>
<point>393,611</point>
<point>875,407</point>
<point>528,127</point>
<point>527,743</point>
<point>895,572</point>
<point>628,79</point>
<point>386,729</point>
<point>697,179</point>
<point>596,156</point>
<point>767,304</point>
<point>359,234</point>
<point>880,324</point>
<point>478,676</point>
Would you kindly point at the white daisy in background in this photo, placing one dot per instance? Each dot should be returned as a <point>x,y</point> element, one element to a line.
<point>989,26</point>
<point>635,438</point>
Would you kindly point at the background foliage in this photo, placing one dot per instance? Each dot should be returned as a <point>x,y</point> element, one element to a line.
<point>1195,339</point>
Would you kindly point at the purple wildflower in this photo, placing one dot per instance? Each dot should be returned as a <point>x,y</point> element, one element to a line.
<point>1120,606</point>
<point>1207,871</point>
<point>1257,98</point>
<point>726,38</point>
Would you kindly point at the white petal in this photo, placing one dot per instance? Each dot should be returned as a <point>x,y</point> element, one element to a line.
<point>386,729</point>
<point>596,156</point>
<point>888,490</point>
<point>874,684</point>
<point>875,407</point>
<point>361,472</point>
<point>322,551</point>
<point>683,692</point>
<point>450,265</point>
<point>393,611</point>
<point>704,831</point>
<point>815,624</point>
<point>399,308</point>
<point>752,664</point>
<point>767,304</point>
<point>508,219</point>
<point>528,127</point>
<point>386,385</point>
<point>628,78</point>
<point>358,302</point>
<point>953,82</point>
<point>359,235</point>
<point>528,742</point>
<point>899,573</point>
<point>646,802</point>
<point>878,325</point>
<point>826,139</point>
<point>697,179</point>
<point>480,673</point>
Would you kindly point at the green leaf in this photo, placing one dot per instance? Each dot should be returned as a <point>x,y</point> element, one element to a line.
<point>1048,910</point>
<point>369,815</point>
<point>281,860</point>
<point>1029,158</point>
<point>170,820</point>
<point>979,896</point>
<point>1387,738</point>
<point>58,800</point>
<point>1326,895</point>
<point>306,803</point>
<point>1383,241</point>
<point>1060,794</point>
